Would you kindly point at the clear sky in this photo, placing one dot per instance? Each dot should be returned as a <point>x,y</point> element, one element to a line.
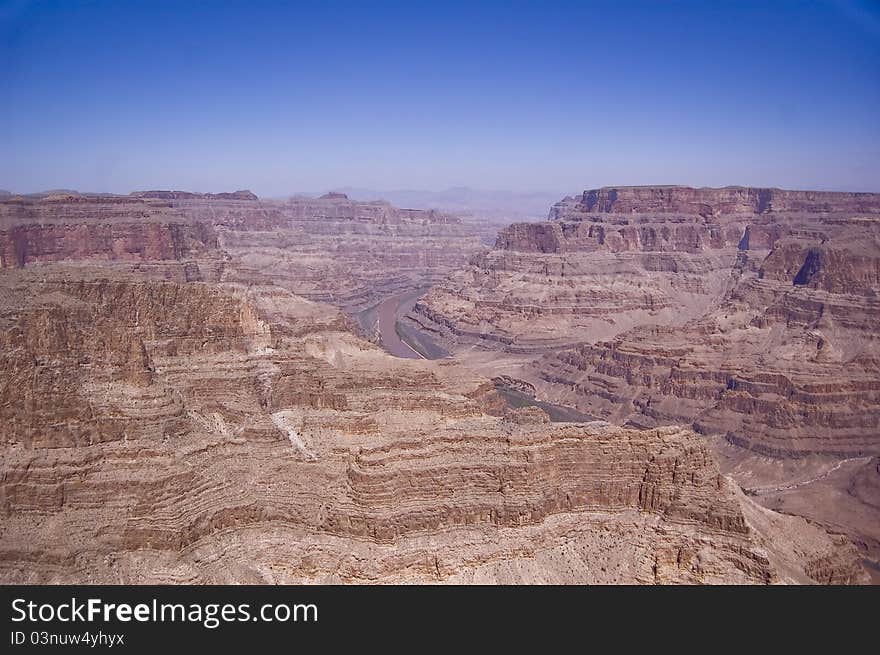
<point>285,96</point>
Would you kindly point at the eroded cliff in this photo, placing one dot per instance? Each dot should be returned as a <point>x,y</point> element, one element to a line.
<point>158,431</point>
<point>745,313</point>
<point>344,252</point>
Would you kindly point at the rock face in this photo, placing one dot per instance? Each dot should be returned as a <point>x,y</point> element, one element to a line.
<point>709,202</point>
<point>120,234</point>
<point>162,431</point>
<point>746,313</point>
<point>345,252</point>
<point>348,253</point>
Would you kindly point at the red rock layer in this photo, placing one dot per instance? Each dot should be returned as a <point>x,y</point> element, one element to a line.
<point>102,229</point>
<point>711,202</point>
<point>334,249</point>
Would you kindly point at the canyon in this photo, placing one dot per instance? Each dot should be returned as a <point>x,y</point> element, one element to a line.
<point>194,390</point>
<point>749,315</point>
<point>330,248</point>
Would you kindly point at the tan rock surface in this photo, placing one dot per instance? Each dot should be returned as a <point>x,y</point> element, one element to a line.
<point>746,313</point>
<point>173,412</point>
<point>164,432</point>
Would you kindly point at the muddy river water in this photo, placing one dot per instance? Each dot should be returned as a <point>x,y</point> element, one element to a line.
<point>401,340</point>
<point>384,321</point>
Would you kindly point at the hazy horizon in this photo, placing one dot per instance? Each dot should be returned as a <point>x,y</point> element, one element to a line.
<point>522,97</point>
<point>350,189</point>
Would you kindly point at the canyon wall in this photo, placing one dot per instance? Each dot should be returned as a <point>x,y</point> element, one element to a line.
<point>710,202</point>
<point>749,318</point>
<point>750,314</point>
<point>162,431</point>
<point>341,251</point>
<point>345,252</point>
<point>614,259</point>
<point>128,231</point>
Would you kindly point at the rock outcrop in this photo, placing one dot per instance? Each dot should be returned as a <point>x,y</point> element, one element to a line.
<point>117,231</point>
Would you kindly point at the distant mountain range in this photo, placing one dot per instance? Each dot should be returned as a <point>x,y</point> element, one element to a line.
<point>496,205</point>
<point>505,206</point>
<point>54,192</point>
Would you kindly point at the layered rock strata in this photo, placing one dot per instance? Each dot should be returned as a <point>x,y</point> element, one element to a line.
<point>745,313</point>
<point>614,259</point>
<point>753,315</point>
<point>159,431</point>
<point>711,202</point>
<point>122,232</point>
<point>348,253</point>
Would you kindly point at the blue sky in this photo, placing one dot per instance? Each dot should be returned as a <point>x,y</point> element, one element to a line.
<point>279,97</point>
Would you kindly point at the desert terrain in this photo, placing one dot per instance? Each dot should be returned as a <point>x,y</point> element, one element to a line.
<point>654,385</point>
<point>748,315</point>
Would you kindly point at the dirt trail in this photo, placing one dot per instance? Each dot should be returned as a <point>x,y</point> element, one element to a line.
<point>816,478</point>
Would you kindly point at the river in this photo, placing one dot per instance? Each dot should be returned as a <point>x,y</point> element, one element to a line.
<point>397,338</point>
<point>400,340</point>
<point>389,313</point>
